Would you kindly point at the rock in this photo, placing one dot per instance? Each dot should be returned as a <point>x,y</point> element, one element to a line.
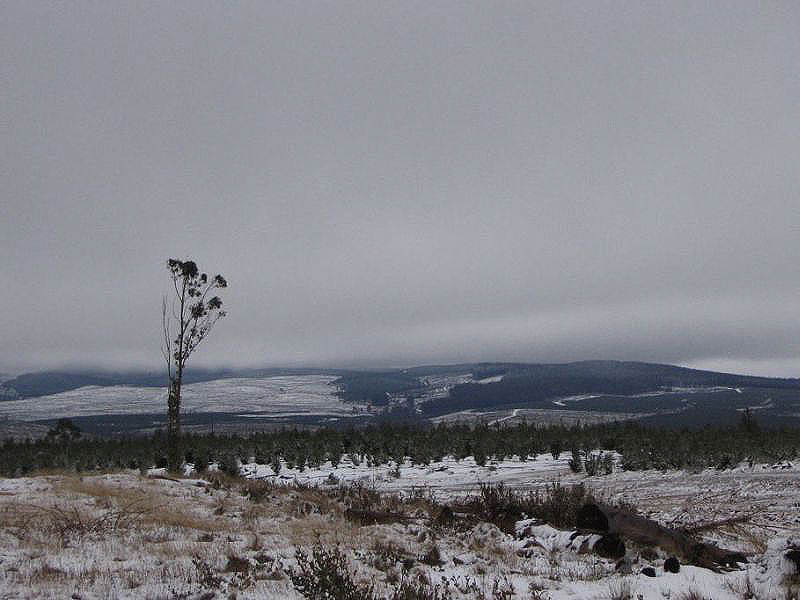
<point>671,565</point>
<point>649,571</point>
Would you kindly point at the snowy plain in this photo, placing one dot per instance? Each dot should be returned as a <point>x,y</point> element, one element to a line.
<point>184,533</point>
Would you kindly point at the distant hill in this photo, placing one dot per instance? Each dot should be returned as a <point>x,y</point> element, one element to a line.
<point>44,383</point>
<point>658,393</point>
<point>655,393</point>
<point>542,381</point>
<point>538,385</point>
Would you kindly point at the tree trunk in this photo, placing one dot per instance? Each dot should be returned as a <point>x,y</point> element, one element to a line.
<point>644,531</point>
<point>174,458</point>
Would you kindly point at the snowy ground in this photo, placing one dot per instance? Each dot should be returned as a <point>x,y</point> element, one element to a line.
<point>766,498</point>
<point>126,536</point>
<point>277,396</point>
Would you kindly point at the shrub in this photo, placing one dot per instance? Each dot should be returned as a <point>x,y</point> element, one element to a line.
<point>599,464</point>
<point>421,589</point>
<point>555,449</point>
<point>229,464</point>
<point>205,574</point>
<point>237,564</point>
<point>324,575</point>
<point>575,462</point>
<point>607,463</point>
<point>432,557</point>
<point>257,490</point>
<point>502,506</point>
<point>201,461</point>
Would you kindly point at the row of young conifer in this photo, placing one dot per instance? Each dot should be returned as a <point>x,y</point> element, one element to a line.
<point>640,447</point>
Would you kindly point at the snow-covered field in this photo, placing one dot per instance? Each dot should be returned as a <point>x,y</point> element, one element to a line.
<point>767,495</point>
<point>126,536</point>
<point>278,396</point>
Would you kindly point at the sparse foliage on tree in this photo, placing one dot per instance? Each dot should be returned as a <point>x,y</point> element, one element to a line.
<point>186,322</point>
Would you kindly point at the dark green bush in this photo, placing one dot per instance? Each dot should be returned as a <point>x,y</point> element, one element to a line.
<point>228,463</point>
<point>325,576</point>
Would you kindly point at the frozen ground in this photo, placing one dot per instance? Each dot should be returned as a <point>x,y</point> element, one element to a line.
<point>126,536</point>
<point>269,397</point>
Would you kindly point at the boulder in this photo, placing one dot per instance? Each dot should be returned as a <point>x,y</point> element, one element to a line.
<point>671,565</point>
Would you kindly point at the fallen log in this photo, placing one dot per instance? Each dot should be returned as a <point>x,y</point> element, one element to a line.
<point>604,519</point>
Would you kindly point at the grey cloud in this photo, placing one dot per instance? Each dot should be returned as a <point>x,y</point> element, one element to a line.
<point>392,184</point>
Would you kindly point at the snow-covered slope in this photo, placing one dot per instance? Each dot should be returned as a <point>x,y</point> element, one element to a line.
<point>295,395</point>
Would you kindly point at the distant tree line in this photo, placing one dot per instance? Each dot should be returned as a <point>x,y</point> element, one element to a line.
<point>640,447</point>
<point>374,388</point>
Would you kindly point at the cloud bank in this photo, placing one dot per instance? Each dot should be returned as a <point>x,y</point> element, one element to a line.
<point>401,184</point>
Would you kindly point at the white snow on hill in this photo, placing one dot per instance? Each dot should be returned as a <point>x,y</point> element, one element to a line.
<point>296,394</point>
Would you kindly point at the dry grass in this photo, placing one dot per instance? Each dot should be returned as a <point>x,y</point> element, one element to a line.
<point>692,594</point>
<point>620,590</point>
<point>156,510</point>
<point>743,587</point>
<point>305,532</point>
<point>68,473</point>
<point>185,520</point>
<point>756,539</point>
<point>46,573</point>
<point>92,488</point>
<point>144,532</point>
<point>65,521</point>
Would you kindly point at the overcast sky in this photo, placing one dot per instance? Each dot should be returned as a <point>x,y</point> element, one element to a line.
<point>404,183</point>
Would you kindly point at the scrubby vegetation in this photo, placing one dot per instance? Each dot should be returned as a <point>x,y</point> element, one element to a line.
<point>228,536</point>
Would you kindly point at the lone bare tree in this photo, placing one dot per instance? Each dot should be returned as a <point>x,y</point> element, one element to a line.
<point>186,322</point>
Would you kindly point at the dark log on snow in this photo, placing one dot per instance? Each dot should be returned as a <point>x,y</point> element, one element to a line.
<point>641,530</point>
